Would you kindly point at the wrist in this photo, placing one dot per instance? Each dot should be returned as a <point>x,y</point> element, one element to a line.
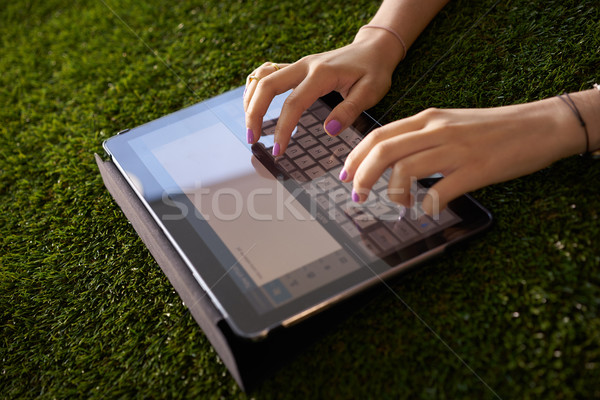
<point>580,119</point>
<point>390,49</point>
<point>588,106</point>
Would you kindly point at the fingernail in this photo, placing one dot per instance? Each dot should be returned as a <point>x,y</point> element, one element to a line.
<point>276,149</point>
<point>355,197</point>
<point>333,127</point>
<point>343,174</point>
<point>249,135</point>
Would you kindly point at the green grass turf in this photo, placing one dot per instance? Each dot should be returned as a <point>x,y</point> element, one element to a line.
<point>86,312</point>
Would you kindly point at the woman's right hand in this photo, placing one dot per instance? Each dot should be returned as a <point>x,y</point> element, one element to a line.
<point>361,72</point>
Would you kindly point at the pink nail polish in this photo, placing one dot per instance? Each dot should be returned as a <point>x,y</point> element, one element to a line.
<point>333,127</point>
<point>355,197</point>
<point>343,174</point>
<point>276,149</point>
<point>249,135</point>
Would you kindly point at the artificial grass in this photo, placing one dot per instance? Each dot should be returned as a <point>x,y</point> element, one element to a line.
<point>86,312</point>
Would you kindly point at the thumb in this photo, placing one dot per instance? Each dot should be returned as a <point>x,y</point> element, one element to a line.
<point>361,97</point>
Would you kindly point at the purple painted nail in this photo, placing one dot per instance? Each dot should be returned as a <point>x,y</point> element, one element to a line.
<point>333,127</point>
<point>343,174</point>
<point>249,135</point>
<point>276,149</point>
<point>355,197</point>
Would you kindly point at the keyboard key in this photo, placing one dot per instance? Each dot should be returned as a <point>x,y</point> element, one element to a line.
<point>308,119</point>
<point>318,151</point>
<point>422,223</point>
<point>324,202</point>
<point>339,194</point>
<point>361,217</point>
<point>328,140</point>
<point>383,238</point>
<point>396,213</point>
<point>340,150</point>
<point>337,215</point>
<point>300,131</point>
<point>327,183</point>
<point>304,162</point>
<point>330,162</point>
<point>294,151</point>
<point>307,141</point>
<point>286,164</point>
<point>298,176</point>
<point>312,189</point>
<point>321,112</point>
<point>350,137</point>
<point>401,229</point>
<point>347,185</point>
<point>378,209</point>
<point>317,130</point>
<point>315,172</point>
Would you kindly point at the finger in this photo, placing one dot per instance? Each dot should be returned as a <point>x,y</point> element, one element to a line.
<point>450,187</point>
<point>263,93</point>
<point>303,96</point>
<point>261,72</point>
<point>379,154</point>
<point>399,189</point>
<point>363,95</point>
<point>375,138</point>
<point>404,172</point>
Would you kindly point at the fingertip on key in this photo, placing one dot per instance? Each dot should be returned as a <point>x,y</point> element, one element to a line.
<point>276,149</point>
<point>333,127</point>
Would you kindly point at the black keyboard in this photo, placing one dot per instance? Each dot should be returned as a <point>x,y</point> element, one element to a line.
<point>314,160</point>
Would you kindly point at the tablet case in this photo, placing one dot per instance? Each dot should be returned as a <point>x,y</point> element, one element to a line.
<point>248,362</point>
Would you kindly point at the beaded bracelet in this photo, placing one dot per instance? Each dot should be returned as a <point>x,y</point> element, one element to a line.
<point>390,30</point>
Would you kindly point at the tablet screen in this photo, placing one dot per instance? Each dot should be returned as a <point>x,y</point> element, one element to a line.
<point>250,214</point>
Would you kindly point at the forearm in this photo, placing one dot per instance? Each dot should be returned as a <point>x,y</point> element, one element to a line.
<point>406,17</point>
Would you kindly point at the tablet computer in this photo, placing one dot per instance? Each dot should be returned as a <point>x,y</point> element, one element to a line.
<point>273,241</point>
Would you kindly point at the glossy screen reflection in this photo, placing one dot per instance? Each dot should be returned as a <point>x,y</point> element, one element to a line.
<point>268,232</point>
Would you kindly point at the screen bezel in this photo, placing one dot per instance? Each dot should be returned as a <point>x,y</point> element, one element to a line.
<point>210,272</point>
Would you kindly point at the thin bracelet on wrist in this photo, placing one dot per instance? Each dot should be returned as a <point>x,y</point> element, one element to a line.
<point>390,30</point>
<point>571,104</point>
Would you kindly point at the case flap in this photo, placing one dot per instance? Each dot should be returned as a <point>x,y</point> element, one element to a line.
<point>196,299</point>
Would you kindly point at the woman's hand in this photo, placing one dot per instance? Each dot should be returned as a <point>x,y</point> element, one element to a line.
<point>361,72</point>
<point>472,148</point>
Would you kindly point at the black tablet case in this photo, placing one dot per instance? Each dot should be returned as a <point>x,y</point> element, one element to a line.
<point>248,362</point>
